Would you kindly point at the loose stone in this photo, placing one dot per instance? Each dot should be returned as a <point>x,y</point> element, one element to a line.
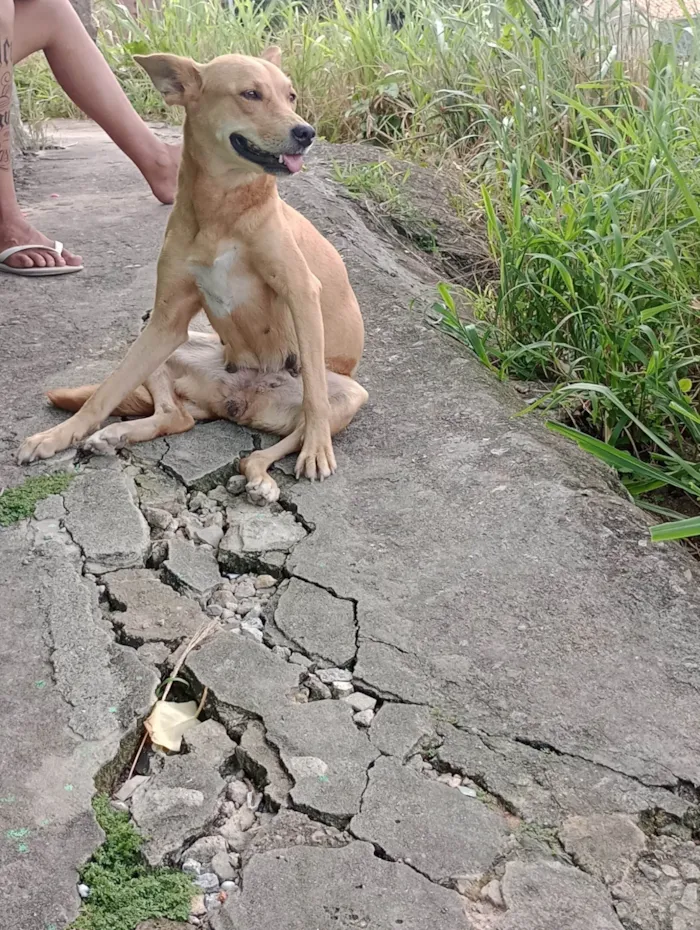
<point>237,791</point>
<point>648,871</point>
<point>341,689</point>
<point>192,867</point>
<point>157,518</point>
<point>245,589</point>
<point>330,676</point>
<point>199,501</point>
<point>212,902</point>
<point>492,893</point>
<point>222,867</point>
<point>252,631</point>
<point>317,690</point>
<point>208,882</point>
<point>229,887</point>
<point>198,907</point>
<point>236,484</point>
<point>83,891</point>
<point>119,806</point>
<point>690,897</point>
<point>364,718</point>
<point>264,581</point>
<point>360,702</point>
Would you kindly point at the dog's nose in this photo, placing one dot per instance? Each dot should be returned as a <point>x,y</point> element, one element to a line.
<point>303,134</point>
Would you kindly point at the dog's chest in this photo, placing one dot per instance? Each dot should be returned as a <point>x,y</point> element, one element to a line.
<point>226,284</point>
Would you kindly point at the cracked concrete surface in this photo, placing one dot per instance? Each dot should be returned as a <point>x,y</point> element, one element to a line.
<point>469,698</point>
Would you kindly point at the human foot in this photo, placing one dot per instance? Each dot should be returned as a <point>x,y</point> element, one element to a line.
<point>19,233</point>
<point>161,172</point>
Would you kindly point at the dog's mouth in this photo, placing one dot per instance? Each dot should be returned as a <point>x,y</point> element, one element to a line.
<point>281,163</point>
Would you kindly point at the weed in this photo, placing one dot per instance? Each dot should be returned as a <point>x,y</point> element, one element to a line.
<point>18,503</point>
<point>124,890</point>
<point>379,186</point>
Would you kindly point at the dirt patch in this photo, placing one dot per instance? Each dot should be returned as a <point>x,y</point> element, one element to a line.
<point>432,212</point>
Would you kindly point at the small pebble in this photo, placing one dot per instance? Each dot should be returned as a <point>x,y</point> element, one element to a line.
<point>119,806</point>
<point>208,882</point>
<point>191,867</point>
<point>492,893</point>
<point>468,792</point>
<point>689,871</point>
<point>317,690</point>
<point>195,921</point>
<point>282,651</point>
<point>648,871</point>
<point>252,631</point>
<point>83,891</point>
<point>229,887</point>
<point>341,689</point>
<point>222,867</point>
<point>214,610</point>
<point>236,484</point>
<point>235,860</point>
<point>364,718</point>
<point>359,701</point>
<point>245,589</point>
<point>265,581</point>
<point>670,870</point>
<point>199,501</point>
<point>330,675</point>
<point>690,897</point>
<point>237,791</point>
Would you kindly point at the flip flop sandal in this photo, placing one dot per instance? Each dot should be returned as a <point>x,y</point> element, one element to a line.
<point>36,272</point>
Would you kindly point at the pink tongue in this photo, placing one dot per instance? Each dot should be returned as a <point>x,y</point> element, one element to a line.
<point>293,162</point>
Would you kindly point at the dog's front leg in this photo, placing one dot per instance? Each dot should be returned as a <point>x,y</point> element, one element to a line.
<point>282,265</point>
<point>176,304</point>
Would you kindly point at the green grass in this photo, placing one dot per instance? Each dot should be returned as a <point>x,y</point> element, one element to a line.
<point>18,503</point>
<point>124,890</point>
<point>582,134</point>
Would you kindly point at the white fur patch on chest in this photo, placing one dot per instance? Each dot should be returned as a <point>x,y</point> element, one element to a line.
<point>222,284</point>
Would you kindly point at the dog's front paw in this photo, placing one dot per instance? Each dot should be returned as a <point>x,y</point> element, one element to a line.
<point>44,445</point>
<point>263,490</point>
<point>103,442</point>
<point>316,459</point>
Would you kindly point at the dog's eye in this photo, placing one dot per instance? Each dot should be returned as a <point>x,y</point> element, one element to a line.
<point>251,95</point>
<point>293,97</point>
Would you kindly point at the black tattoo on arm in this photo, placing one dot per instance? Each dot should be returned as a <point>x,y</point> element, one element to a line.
<point>5,105</point>
<point>6,53</point>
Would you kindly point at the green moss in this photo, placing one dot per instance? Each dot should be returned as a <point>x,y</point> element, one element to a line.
<point>18,503</point>
<point>124,889</point>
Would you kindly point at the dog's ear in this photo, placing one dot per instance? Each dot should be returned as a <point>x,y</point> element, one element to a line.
<point>273,54</point>
<point>178,79</point>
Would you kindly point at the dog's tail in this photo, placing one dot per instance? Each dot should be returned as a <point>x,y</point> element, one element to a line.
<point>137,404</point>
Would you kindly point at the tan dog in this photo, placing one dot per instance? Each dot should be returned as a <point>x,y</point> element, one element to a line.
<point>275,291</point>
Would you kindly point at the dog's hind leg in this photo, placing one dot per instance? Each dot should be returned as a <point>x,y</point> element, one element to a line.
<point>279,411</point>
<point>169,417</point>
